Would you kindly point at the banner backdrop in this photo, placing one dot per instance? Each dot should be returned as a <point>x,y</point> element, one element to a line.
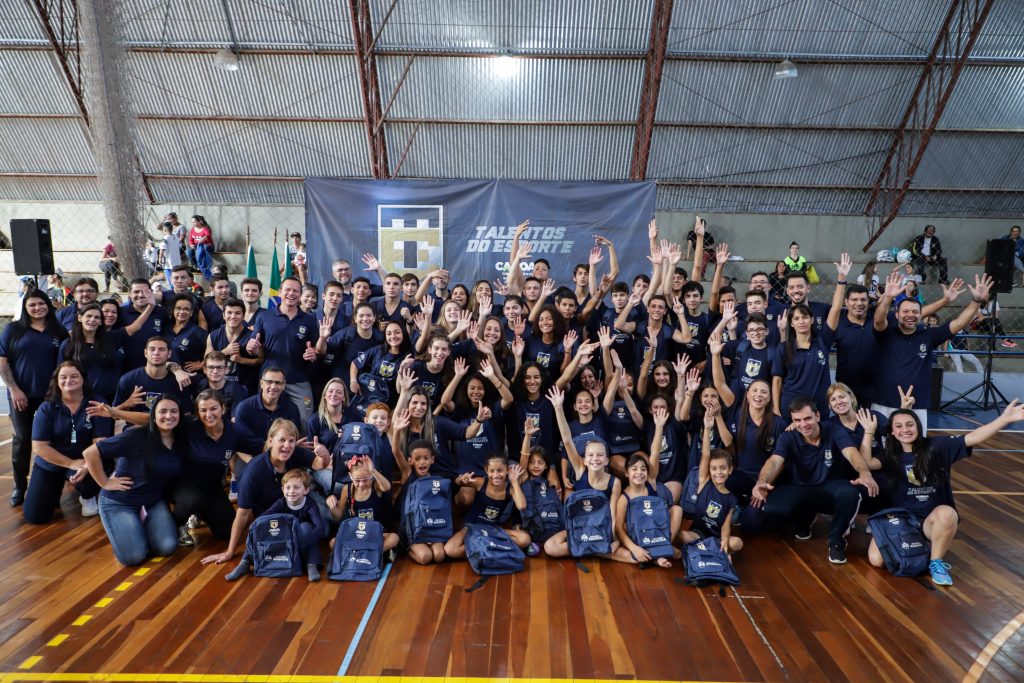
<point>467,226</point>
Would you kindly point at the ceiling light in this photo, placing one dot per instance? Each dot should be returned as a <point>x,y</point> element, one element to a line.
<point>506,66</point>
<point>226,59</point>
<point>785,69</point>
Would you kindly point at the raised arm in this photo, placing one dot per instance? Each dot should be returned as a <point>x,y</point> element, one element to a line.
<point>721,258</point>
<point>842,273</point>
<point>893,287</point>
<point>1013,413</point>
<point>557,397</point>
<point>716,347</point>
<point>979,294</point>
<point>704,468</point>
<point>699,226</point>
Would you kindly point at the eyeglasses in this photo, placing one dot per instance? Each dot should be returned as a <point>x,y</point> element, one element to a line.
<point>274,382</point>
<point>216,367</point>
<point>756,330</point>
<point>83,290</point>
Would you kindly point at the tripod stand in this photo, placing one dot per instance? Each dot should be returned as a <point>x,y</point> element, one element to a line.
<point>989,391</point>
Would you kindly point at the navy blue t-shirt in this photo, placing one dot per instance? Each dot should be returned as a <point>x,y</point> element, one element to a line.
<point>252,420</point>
<point>712,510</point>
<point>810,465</point>
<point>923,497</point>
<point>748,364</point>
<point>750,457</point>
<point>207,458</point>
<point>102,366</point>
<point>856,351</point>
<point>153,388</point>
<point>623,434</point>
<point>156,325</point>
<point>380,309</point>
<point>233,392</point>
<point>905,360</point>
<point>672,452</point>
<point>68,434</point>
<point>260,485</point>
<point>32,358</point>
<point>346,345</point>
<point>213,313</point>
<point>471,454</point>
<point>237,372</point>
<point>188,345</point>
<point>807,374</point>
<point>128,449</point>
<point>284,342</point>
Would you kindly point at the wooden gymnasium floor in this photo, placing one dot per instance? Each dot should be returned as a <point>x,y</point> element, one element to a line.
<point>69,612</point>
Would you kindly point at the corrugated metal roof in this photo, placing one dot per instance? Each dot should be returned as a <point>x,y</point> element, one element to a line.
<point>768,156</point>
<point>823,94</point>
<point>45,146</point>
<point>972,161</point>
<point>542,90</point>
<point>986,97</point>
<point>49,189</point>
<point>1002,35</point>
<point>244,149</point>
<point>522,26</point>
<point>31,84</point>
<point>18,23</point>
<point>891,27</point>
<point>247,192</point>
<point>264,85</point>
<point>305,25</point>
<point>543,153</point>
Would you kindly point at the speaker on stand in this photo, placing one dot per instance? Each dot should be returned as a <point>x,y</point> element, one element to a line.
<point>32,247</point>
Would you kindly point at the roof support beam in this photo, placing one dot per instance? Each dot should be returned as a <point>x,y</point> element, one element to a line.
<point>366,67</point>
<point>654,65</point>
<point>952,47</point>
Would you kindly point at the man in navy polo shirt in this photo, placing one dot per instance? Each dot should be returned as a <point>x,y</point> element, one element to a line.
<point>798,289</point>
<point>213,307</point>
<point>155,378</point>
<point>816,483</point>
<point>157,325</point>
<point>905,349</point>
<point>254,415</point>
<point>287,335</point>
<point>85,291</point>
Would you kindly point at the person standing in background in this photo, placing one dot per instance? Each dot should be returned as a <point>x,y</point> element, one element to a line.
<point>111,267</point>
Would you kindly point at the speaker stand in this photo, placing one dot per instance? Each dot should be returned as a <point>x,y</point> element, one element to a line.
<point>988,399</point>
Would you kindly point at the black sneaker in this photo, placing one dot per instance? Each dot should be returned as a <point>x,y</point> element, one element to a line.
<point>184,537</point>
<point>804,533</point>
<point>837,553</point>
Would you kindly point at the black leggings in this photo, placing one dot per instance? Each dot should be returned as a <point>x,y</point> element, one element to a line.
<point>21,444</point>
<point>798,504</point>
<point>208,502</point>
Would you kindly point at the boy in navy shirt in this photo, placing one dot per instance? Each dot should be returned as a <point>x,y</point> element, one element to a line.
<point>295,486</point>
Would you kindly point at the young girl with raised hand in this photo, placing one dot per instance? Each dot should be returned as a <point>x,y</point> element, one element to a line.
<point>591,472</point>
<point>918,468</point>
<point>368,496</point>
<point>714,501</point>
<point>497,500</point>
<point>541,487</point>
<point>641,481</point>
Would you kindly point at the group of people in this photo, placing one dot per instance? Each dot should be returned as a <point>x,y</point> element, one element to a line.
<point>720,401</point>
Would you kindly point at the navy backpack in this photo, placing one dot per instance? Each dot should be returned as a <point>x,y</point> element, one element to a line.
<point>273,546</point>
<point>649,525</point>
<point>901,541</point>
<point>588,521</point>
<point>359,438</point>
<point>705,562</point>
<point>427,510</point>
<point>491,551</point>
<point>691,488</point>
<point>358,553</point>
<point>542,517</point>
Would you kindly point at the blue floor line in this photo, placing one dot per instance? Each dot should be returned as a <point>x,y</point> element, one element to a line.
<point>365,620</point>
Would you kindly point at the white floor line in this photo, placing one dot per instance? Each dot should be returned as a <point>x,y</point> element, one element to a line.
<point>760,633</point>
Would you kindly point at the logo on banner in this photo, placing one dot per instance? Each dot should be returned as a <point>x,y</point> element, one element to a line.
<point>410,237</point>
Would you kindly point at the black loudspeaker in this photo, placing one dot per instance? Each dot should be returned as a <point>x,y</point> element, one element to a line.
<point>999,264</point>
<point>33,251</point>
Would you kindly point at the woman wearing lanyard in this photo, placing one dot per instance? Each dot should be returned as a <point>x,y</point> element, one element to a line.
<point>28,357</point>
<point>199,489</point>
<point>61,431</point>
<point>133,507</point>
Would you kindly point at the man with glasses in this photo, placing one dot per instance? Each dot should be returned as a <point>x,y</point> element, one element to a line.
<point>215,367</point>
<point>342,271</point>
<point>85,291</point>
<point>748,357</point>
<point>254,415</point>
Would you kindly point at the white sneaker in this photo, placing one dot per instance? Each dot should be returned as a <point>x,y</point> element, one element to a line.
<point>90,506</point>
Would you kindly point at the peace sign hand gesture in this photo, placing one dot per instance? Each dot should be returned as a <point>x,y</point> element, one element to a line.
<point>906,397</point>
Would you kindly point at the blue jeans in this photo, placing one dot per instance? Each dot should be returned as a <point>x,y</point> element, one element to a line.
<point>134,540</point>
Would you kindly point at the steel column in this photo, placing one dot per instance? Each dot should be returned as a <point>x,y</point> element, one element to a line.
<point>654,64</point>
<point>366,67</point>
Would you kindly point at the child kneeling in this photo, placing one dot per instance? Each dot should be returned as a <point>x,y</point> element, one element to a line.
<point>310,529</point>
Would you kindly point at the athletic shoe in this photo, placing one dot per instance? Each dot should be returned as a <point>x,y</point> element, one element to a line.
<point>532,550</point>
<point>194,522</point>
<point>1008,344</point>
<point>940,573</point>
<point>837,553</point>
<point>184,537</point>
<point>805,533</point>
<point>90,506</point>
